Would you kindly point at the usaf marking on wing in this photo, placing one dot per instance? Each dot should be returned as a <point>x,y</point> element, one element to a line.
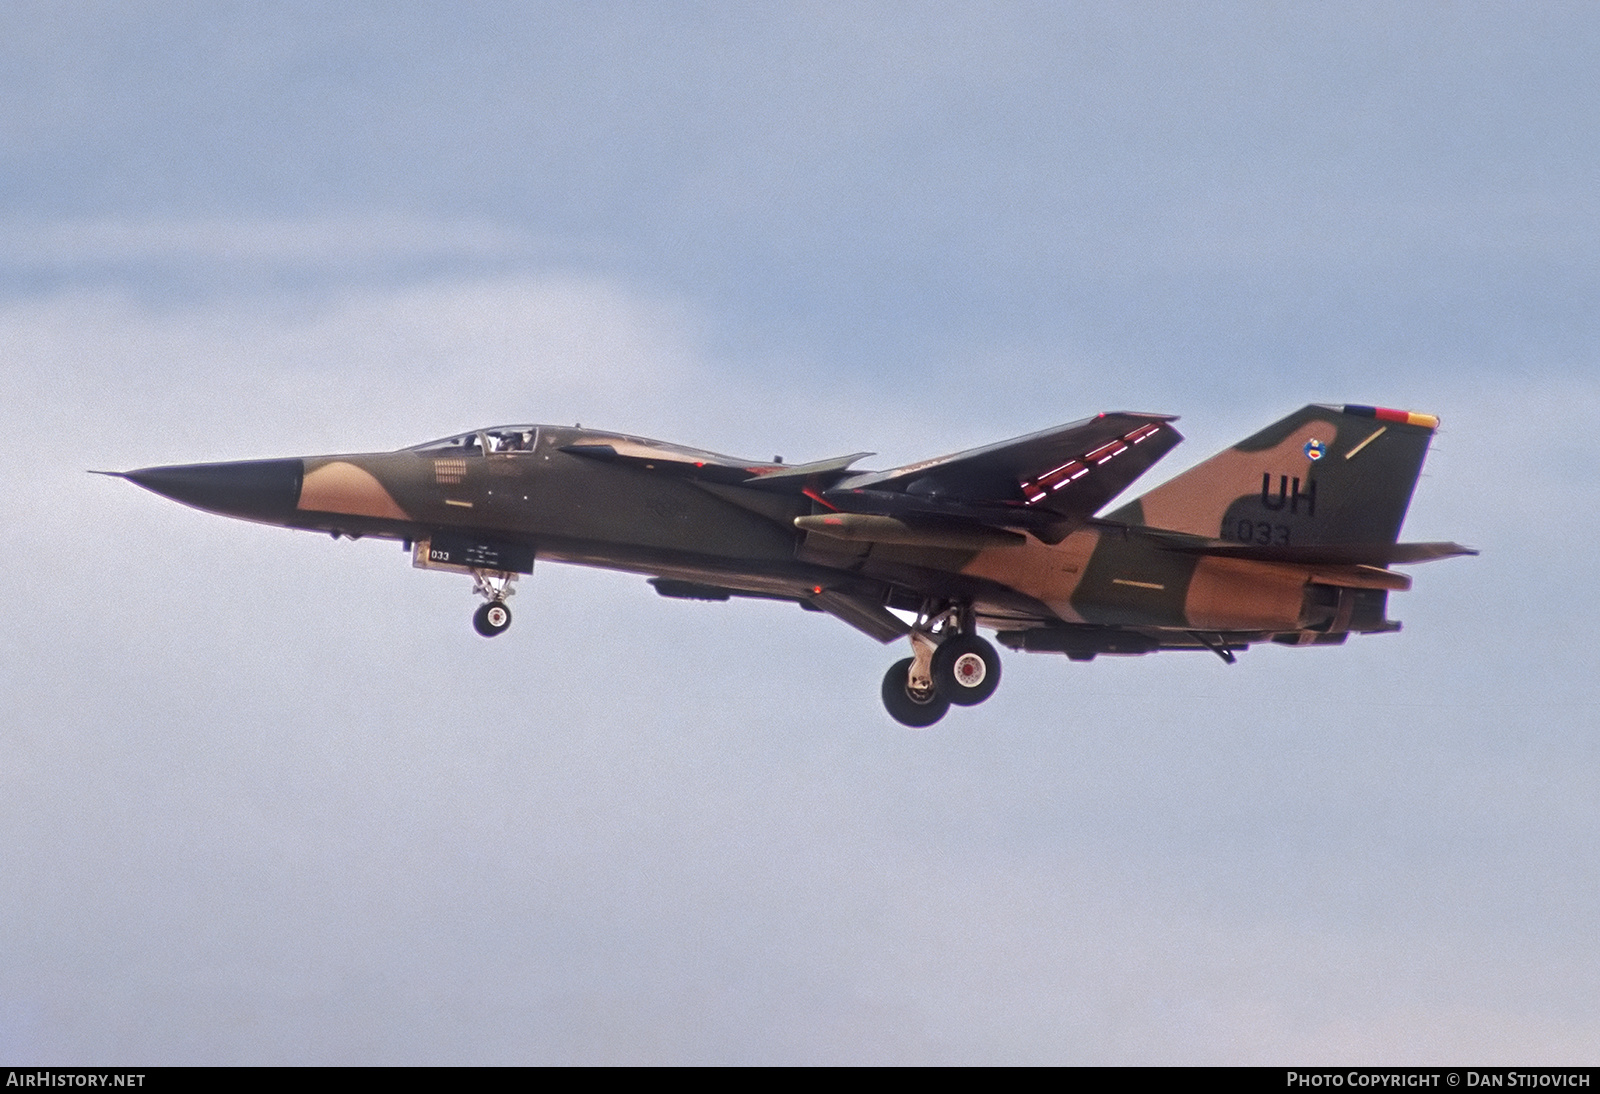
<point>1289,536</point>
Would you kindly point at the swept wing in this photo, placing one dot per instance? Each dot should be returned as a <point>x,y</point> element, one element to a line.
<point>1045,482</point>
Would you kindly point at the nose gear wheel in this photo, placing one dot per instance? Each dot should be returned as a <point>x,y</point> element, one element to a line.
<point>491,618</point>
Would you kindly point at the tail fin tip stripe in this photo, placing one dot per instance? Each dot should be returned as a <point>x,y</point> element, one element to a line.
<point>1384,414</point>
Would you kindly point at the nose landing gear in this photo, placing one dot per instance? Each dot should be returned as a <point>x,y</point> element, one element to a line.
<point>493,617</point>
<point>492,565</point>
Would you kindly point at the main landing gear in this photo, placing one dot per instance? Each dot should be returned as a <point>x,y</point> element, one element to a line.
<point>493,617</point>
<point>949,665</point>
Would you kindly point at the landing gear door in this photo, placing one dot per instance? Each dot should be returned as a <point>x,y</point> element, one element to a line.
<point>466,554</point>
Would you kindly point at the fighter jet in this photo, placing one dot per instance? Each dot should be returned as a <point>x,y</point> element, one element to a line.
<point>1289,536</point>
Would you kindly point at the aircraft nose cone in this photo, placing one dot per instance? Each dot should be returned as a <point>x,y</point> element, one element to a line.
<point>266,490</point>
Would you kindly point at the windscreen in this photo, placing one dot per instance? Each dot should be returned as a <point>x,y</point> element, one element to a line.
<point>500,439</point>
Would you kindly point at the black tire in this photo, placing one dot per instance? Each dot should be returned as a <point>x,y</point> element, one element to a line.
<point>905,707</point>
<point>966,669</point>
<point>492,619</point>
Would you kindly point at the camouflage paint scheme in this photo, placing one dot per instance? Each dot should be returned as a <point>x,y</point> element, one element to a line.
<point>1289,536</point>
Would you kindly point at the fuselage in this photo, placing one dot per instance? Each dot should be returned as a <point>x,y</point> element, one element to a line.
<point>544,491</point>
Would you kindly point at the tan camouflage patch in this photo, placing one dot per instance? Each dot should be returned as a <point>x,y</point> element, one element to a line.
<point>1235,594</point>
<point>341,487</point>
<point>1196,501</point>
<point>1047,574</point>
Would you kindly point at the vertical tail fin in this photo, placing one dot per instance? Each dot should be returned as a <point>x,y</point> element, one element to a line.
<point>1325,475</point>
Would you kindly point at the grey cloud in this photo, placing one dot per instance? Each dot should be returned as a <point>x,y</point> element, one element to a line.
<point>1176,185</point>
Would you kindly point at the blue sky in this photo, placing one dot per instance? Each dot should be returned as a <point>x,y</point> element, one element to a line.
<point>268,798</point>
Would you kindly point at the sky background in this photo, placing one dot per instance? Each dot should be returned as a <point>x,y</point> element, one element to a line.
<point>266,798</point>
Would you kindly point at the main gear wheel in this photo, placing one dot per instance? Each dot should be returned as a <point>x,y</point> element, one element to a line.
<point>918,708</point>
<point>966,669</point>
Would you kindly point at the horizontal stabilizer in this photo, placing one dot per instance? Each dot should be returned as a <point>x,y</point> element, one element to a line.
<point>1361,577</point>
<point>1346,554</point>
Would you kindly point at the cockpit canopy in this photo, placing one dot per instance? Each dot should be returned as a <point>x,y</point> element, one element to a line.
<point>500,439</point>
